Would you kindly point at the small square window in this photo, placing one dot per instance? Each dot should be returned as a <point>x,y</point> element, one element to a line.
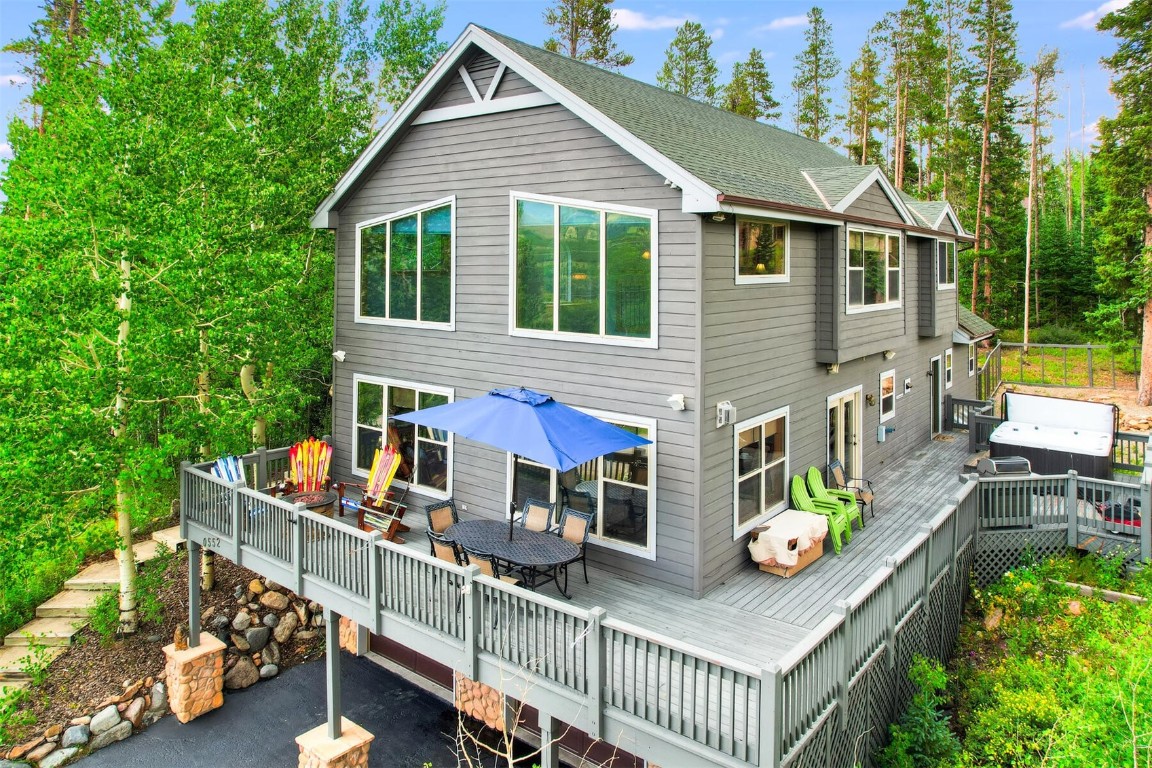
<point>761,251</point>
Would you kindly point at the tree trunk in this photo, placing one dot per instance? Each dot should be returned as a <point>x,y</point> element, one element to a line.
<point>120,431</point>
<point>981,213</point>
<point>1030,218</point>
<point>1144,395</point>
<point>207,557</point>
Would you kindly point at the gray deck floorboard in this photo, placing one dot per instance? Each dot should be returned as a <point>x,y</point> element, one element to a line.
<point>756,616</point>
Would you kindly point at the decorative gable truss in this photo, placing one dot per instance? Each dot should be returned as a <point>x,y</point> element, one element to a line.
<point>483,86</point>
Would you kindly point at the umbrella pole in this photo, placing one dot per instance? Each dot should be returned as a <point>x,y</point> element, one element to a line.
<point>512,502</point>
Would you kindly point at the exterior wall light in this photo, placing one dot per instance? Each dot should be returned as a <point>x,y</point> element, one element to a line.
<point>676,402</point>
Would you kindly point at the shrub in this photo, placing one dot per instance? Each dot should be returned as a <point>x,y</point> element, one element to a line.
<point>922,739</point>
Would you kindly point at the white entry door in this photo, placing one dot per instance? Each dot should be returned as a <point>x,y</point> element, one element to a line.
<point>844,430</point>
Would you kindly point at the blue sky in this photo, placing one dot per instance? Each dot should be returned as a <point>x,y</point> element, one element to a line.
<point>776,27</point>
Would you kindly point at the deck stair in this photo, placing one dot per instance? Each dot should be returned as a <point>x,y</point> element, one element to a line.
<point>61,618</point>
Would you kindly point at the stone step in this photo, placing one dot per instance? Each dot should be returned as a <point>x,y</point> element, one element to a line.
<point>50,632</point>
<point>170,536</point>
<point>144,550</point>
<point>71,603</point>
<point>13,685</point>
<point>99,576</point>
<point>12,660</point>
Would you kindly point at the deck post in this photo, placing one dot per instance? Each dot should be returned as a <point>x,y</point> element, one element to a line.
<point>954,518</point>
<point>375,579</point>
<point>236,538</point>
<point>926,587</point>
<point>184,486</point>
<point>298,548</point>
<point>332,668</point>
<point>1146,508</point>
<point>193,593</point>
<point>471,597</point>
<point>844,672</point>
<point>596,670</point>
<point>1070,508</point>
<point>549,756</point>
<point>261,468</point>
<point>771,715</point>
<point>893,610</point>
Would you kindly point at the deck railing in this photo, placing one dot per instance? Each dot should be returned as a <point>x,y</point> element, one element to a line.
<point>1070,365</point>
<point>675,703</point>
<point>990,375</point>
<point>958,412</point>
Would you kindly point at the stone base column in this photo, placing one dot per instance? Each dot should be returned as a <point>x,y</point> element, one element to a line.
<point>349,634</point>
<point>195,678</point>
<point>481,701</point>
<point>348,751</point>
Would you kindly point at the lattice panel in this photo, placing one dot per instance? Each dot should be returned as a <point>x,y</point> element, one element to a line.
<point>1000,551</point>
<point>818,751</point>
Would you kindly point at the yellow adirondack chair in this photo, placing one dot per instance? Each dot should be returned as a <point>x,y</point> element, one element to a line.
<point>309,462</point>
<point>375,509</point>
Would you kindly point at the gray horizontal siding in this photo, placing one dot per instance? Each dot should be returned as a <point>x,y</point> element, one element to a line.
<point>946,226</point>
<point>873,203</point>
<point>482,68</point>
<point>923,251</point>
<point>479,160</point>
<point>512,84</point>
<point>455,93</point>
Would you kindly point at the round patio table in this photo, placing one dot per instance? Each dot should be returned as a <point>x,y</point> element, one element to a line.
<point>315,501</point>
<point>537,556</point>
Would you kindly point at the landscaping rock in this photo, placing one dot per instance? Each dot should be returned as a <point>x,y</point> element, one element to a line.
<point>242,621</point>
<point>135,712</point>
<point>76,736</point>
<point>286,627</point>
<point>25,748</point>
<point>132,690</point>
<point>41,752</point>
<point>53,731</point>
<point>154,638</point>
<point>220,622</point>
<point>992,620</point>
<point>271,652</point>
<point>277,601</point>
<point>105,720</point>
<point>306,635</point>
<point>257,638</point>
<point>242,675</point>
<point>239,592</point>
<point>240,643</point>
<point>271,620</point>
<point>159,706</point>
<point>11,764</point>
<point>269,670</point>
<point>59,757</point>
<point>82,720</point>
<point>1075,608</point>
<point>117,733</point>
<point>272,586</point>
<point>256,587</point>
<point>318,620</point>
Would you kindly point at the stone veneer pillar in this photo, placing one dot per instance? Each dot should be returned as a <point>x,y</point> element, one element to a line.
<point>195,678</point>
<point>480,701</point>
<point>349,635</point>
<point>348,751</point>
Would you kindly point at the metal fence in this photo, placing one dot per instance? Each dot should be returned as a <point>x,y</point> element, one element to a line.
<point>990,375</point>
<point>827,702</point>
<point>1069,365</point>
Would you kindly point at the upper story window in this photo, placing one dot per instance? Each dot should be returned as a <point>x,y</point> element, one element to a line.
<point>971,359</point>
<point>584,271</point>
<point>761,469</point>
<point>874,261</point>
<point>426,452</point>
<point>947,369</point>
<point>761,251</point>
<point>405,266</point>
<point>945,264</point>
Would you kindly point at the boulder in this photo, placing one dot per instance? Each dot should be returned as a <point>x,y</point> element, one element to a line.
<point>257,638</point>
<point>271,652</point>
<point>25,748</point>
<point>240,643</point>
<point>272,586</point>
<point>76,736</point>
<point>307,635</point>
<point>53,731</point>
<point>135,712</point>
<point>59,757</point>
<point>286,627</point>
<point>242,621</point>
<point>159,706</point>
<point>277,601</point>
<point>242,675</point>
<point>271,620</point>
<point>105,720</point>
<point>41,752</point>
<point>269,670</point>
<point>256,587</point>
<point>220,621</point>
<point>117,733</point>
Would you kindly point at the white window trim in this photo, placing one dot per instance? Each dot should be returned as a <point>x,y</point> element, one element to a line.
<point>648,552</point>
<point>585,338</point>
<point>739,530</point>
<point>955,266</point>
<point>880,395</point>
<point>370,320</point>
<point>849,309</point>
<point>761,279</point>
<point>449,392</point>
<point>948,368</point>
<point>971,360</point>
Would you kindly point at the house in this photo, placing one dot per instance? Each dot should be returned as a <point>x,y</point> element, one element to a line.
<point>746,298</point>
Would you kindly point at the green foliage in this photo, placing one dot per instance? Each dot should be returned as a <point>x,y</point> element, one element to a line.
<point>35,663</point>
<point>14,712</point>
<point>584,31</point>
<point>750,91</point>
<point>1052,683</point>
<point>150,581</point>
<point>921,739</point>
<point>104,617</point>
<point>816,68</point>
<point>689,68</point>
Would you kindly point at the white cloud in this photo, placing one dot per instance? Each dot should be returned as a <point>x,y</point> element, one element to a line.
<point>15,81</point>
<point>1088,20</point>
<point>784,22</point>
<point>1088,134</point>
<point>636,20</point>
<point>730,57</point>
<point>716,34</point>
<point>6,151</point>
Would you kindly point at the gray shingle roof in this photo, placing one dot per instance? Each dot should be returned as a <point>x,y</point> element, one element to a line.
<point>736,155</point>
<point>975,326</point>
<point>836,183</point>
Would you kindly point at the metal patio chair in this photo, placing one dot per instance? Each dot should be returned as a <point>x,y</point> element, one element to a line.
<point>575,527</point>
<point>537,515</point>
<point>861,487</point>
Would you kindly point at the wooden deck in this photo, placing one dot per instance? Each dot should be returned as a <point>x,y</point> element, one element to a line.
<point>756,616</point>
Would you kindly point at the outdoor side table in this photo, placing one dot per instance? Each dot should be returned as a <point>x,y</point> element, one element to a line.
<point>538,557</point>
<point>320,502</point>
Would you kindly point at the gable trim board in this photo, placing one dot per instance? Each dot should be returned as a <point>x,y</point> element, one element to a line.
<point>483,107</point>
<point>754,207</point>
<point>875,177</point>
<point>950,214</point>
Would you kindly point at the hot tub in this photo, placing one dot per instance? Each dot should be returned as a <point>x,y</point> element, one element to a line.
<point>1056,434</point>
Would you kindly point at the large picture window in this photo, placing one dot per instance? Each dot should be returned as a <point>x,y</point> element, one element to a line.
<point>761,470</point>
<point>405,266</point>
<point>945,264</point>
<point>874,262</point>
<point>426,452</point>
<point>761,251</point>
<point>583,271</point>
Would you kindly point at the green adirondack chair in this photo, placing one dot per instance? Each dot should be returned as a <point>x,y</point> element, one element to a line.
<point>837,520</point>
<point>820,492</point>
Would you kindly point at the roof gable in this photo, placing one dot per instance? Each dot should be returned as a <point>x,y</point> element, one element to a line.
<point>972,327</point>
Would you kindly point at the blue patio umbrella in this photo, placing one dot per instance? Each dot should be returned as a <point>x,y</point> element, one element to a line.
<point>529,424</point>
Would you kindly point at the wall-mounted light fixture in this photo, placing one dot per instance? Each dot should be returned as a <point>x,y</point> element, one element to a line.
<point>833,368</point>
<point>719,216</point>
<point>725,413</point>
<point>676,402</point>
<point>889,354</point>
<point>870,398</point>
<point>339,355</point>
